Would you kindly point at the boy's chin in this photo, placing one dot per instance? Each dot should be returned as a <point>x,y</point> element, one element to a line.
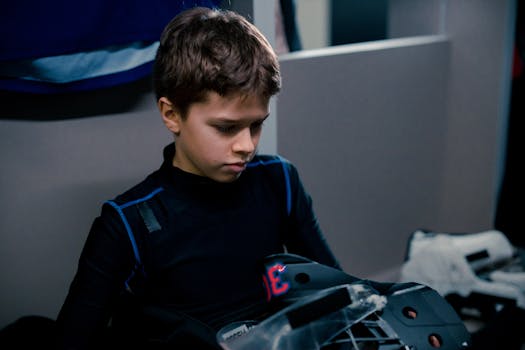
<point>226,178</point>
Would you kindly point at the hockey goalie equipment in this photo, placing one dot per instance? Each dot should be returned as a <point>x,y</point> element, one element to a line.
<point>320,307</point>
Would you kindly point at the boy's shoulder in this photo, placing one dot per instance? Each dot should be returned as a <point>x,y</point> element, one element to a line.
<point>144,190</point>
<point>280,172</point>
<point>265,160</point>
<point>273,163</point>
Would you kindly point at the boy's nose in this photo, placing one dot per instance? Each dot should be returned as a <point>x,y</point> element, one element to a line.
<point>244,142</point>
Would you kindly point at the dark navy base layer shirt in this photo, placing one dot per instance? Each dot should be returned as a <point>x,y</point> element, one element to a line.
<point>203,257</point>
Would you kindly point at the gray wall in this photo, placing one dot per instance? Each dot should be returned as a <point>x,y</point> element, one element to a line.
<point>481,33</point>
<point>55,176</point>
<point>365,125</point>
<point>481,36</point>
<point>416,17</point>
<point>396,135</point>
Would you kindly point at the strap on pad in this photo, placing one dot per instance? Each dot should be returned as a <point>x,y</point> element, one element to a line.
<point>149,218</point>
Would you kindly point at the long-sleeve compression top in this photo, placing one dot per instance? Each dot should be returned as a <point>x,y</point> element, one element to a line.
<point>204,258</point>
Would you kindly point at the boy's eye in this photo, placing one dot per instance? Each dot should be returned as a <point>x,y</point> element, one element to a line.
<point>233,128</point>
<point>225,129</point>
<point>256,126</point>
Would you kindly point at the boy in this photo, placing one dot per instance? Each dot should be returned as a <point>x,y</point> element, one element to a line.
<point>178,256</point>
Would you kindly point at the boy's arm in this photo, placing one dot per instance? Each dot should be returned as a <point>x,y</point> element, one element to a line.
<point>305,237</point>
<point>104,264</point>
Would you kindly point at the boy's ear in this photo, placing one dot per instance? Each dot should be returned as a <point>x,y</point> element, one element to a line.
<point>170,116</point>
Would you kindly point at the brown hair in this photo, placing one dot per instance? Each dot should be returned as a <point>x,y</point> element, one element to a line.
<point>204,50</point>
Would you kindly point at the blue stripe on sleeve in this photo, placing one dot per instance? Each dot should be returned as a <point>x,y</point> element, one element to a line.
<point>126,223</point>
<point>286,178</point>
<point>128,230</point>
<point>288,189</point>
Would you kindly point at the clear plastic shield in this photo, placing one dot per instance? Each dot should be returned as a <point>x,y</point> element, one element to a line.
<point>307,324</point>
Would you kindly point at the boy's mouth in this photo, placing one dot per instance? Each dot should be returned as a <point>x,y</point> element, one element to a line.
<point>237,167</point>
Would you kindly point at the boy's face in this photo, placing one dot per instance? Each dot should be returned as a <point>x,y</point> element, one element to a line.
<point>219,136</point>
